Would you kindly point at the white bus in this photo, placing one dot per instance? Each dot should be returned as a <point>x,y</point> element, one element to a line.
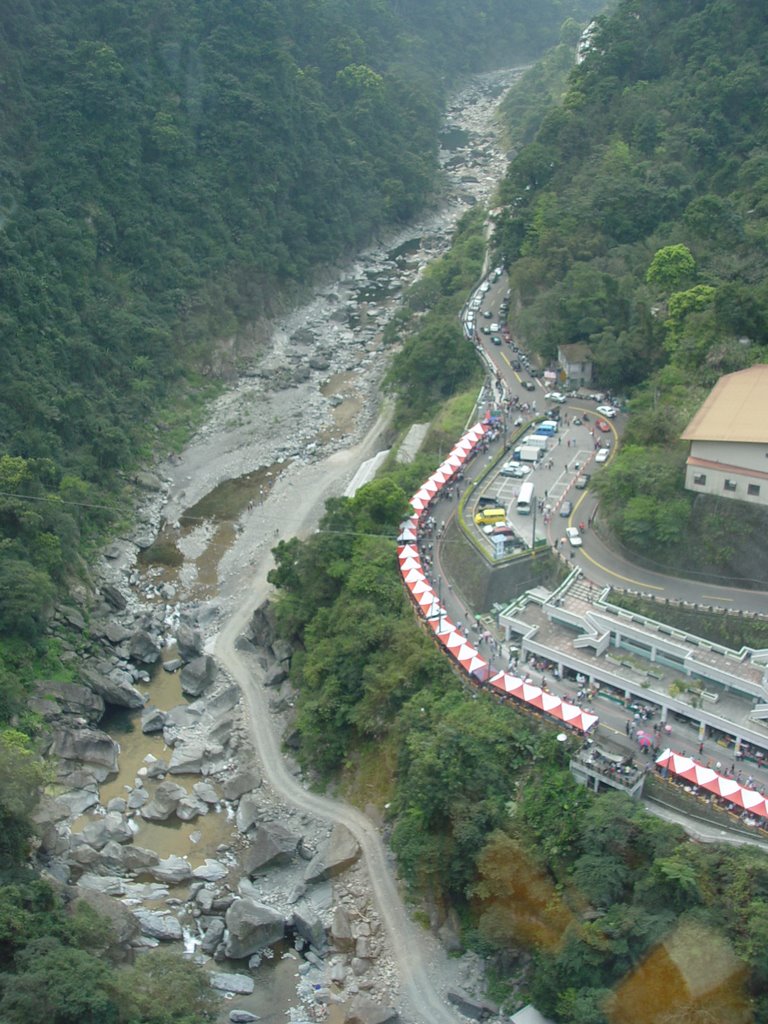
<point>525,499</point>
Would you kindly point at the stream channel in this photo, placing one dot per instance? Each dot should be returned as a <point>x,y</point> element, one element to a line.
<point>220,487</point>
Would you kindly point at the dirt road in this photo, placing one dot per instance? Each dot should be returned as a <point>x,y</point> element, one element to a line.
<point>420,961</point>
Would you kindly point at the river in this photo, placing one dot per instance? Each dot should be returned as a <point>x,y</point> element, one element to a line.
<point>274,447</point>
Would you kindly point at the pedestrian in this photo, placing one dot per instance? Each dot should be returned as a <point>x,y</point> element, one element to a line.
<point>701,749</point>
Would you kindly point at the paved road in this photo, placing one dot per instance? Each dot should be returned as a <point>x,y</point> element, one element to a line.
<point>599,562</point>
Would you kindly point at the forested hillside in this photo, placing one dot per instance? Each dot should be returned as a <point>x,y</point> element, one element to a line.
<point>166,169</point>
<point>636,221</point>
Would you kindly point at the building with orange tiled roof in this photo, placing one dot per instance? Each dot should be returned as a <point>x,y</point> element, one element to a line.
<point>729,439</point>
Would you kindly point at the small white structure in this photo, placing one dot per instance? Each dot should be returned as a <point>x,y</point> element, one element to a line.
<point>729,439</point>
<point>529,1015</point>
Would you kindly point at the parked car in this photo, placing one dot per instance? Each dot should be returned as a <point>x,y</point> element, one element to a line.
<point>582,482</point>
<point>566,508</point>
<point>490,516</point>
<point>488,501</point>
<point>603,455</point>
<point>602,425</point>
<point>574,537</point>
<point>608,410</point>
<point>514,468</point>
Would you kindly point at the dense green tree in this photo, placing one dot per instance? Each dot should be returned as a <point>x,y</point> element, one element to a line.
<point>58,983</point>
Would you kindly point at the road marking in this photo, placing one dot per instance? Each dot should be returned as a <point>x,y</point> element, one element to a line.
<point>716,597</point>
<point>627,579</point>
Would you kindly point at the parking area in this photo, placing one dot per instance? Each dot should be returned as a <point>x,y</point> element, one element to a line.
<point>568,460</point>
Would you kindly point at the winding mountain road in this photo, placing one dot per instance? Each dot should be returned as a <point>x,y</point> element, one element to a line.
<point>414,950</point>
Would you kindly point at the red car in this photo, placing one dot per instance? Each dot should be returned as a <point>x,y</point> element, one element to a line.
<point>602,425</point>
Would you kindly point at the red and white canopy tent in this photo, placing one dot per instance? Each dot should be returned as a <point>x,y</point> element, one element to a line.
<point>710,780</point>
<point>447,633</point>
<point>552,705</point>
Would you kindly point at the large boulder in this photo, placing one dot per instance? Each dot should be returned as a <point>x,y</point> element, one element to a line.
<point>363,1010</point>
<point>89,747</point>
<point>239,984</point>
<point>165,801</point>
<point>341,931</point>
<point>183,716</point>
<point>136,859</point>
<point>251,926</point>
<point>275,675</point>
<point>262,628</point>
<point>248,812</point>
<point>57,699</point>
<point>187,757</point>
<point>114,598</point>
<point>282,650</point>
<point>113,686</point>
<point>216,705</point>
<point>110,828</point>
<point>307,923</point>
<point>214,933</point>
<point>206,792</point>
<point>172,870</point>
<point>143,648</point>
<point>189,808</point>
<point>161,926</point>
<point>211,871</point>
<point>152,719</point>
<point>115,633</point>
<point>75,801</point>
<point>189,643</point>
<point>333,856</point>
<point>124,926</point>
<point>271,843</point>
<point>198,675</point>
<point>243,781</point>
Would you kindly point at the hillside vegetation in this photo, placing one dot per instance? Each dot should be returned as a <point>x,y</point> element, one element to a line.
<point>167,171</point>
<point>170,169</point>
<point>636,221</point>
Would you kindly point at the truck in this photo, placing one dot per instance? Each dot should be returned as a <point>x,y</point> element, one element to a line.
<point>527,453</point>
<point>537,441</point>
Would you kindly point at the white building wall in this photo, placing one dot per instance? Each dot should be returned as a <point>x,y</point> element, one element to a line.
<point>733,453</point>
<point>749,485</point>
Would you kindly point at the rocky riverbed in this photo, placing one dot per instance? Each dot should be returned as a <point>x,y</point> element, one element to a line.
<point>161,814</point>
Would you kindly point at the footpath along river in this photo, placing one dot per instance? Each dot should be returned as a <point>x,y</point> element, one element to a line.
<point>289,434</point>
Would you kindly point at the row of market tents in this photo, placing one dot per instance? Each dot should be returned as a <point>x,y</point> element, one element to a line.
<point>713,782</point>
<point>448,634</point>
